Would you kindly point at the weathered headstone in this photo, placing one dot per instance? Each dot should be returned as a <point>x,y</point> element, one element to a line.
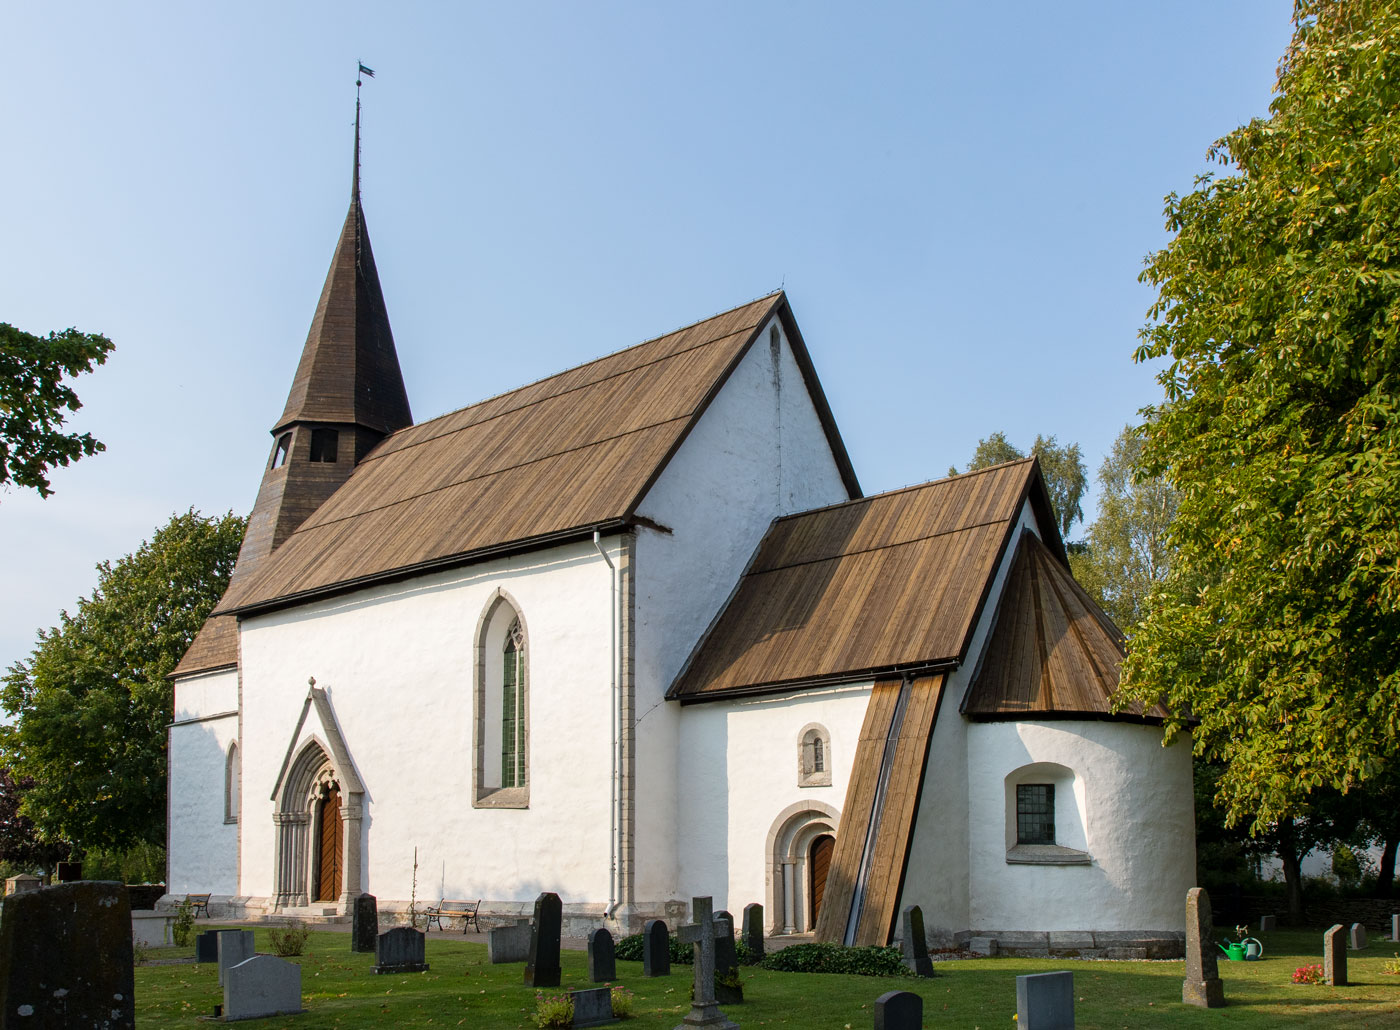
<point>656,948</point>
<point>701,934</point>
<point>364,924</point>
<point>542,966</point>
<point>1358,937</point>
<point>602,958</point>
<point>1045,1001</point>
<point>899,1010</point>
<point>508,943</point>
<point>206,946</point>
<point>400,950</point>
<point>263,985</point>
<point>1395,928</point>
<point>753,931</point>
<point>1268,924</point>
<point>593,1007</point>
<point>915,942</point>
<point>1202,985</point>
<point>1334,956</point>
<point>234,946</point>
<point>66,957</point>
<point>728,989</point>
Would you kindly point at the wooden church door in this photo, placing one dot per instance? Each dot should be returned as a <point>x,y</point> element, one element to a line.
<point>329,845</point>
<point>818,865</point>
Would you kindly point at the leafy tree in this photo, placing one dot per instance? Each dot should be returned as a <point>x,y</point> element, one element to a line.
<point>1063,468</point>
<point>34,400</point>
<point>1278,316</point>
<point>1127,553</point>
<point>91,705</point>
<point>20,845</point>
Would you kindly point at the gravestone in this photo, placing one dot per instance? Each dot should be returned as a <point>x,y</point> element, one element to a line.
<point>701,934</point>
<point>206,946</point>
<point>1202,985</point>
<point>602,957</point>
<point>593,1007</point>
<point>263,985</point>
<point>542,965</point>
<point>1334,956</point>
<point>899,1010</point>
<point>364,925</point>
<point>1045,1001</point>
<point>508,943</point>
<point>753,931</point>
<point>1358,937</point>
<point>233,946</point>
<point>728,989</point>
<point>66,957</point>
<point>915,942</point>
<point>1267,924</point>
<point>1395,928</point>
<point>656,948</point>
<point>400,950</point>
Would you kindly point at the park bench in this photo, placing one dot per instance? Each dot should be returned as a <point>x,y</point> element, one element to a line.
<point>199,903</point>
<point>449,908</point>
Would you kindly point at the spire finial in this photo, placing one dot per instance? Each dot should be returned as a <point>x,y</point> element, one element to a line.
<point>355,177</point>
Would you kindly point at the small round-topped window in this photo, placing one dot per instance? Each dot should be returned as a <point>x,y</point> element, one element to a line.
<point>814,756</point>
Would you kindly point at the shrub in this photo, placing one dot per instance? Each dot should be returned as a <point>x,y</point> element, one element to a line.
<point>1392,965</point>
<point>1308,974</point>
<point>624,1003</point>
<point>630,949</point>
<point>834,958</point>
<point>182,930</point>
<point>291,939</point>
<point>554,1010</point>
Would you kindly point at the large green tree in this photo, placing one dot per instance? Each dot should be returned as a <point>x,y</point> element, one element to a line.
<point>1062,466</point>
<point>1278,319</point>
<point>35,402</point>
<point>91,705</point>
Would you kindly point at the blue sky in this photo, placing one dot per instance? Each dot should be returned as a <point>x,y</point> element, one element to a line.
<point>957,198</point>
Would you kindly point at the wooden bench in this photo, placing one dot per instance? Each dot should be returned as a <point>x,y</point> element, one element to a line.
<point>448,908</point>
<point>198,902</point>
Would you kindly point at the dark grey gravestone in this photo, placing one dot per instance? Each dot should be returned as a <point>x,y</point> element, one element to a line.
<point>364,925</point>
<point>206,946</point>
<point>899,1010</point>
<point>1045,1001</point>
<point>728,990</point>
<point>915,942</point>
<point>1358,937</point>
<point>753,930</point>
<point>593,1007</point>
<point>656,948</point>
<point>66,957</point>
<point>234,946</point>
<point>400,950</point>
<point>602,959</point>
<point>263,985</point>
<point>1268,924</point>
<point>1334,956</point>
<point>1202,986</point>
<point>542,966</point>
<point>508,943</point>
<point>1395,928</point>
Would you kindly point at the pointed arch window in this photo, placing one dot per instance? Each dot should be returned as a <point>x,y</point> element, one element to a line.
<point>501,716</point>
<point>512,701</point>
<point>233,776</point>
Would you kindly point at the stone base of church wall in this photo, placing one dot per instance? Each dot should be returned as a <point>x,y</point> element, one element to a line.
<point>1105,944</point>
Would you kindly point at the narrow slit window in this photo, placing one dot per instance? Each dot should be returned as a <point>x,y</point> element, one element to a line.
<point>280,450</point>
<point>1035,813</point>
<point>324,443</point>
<point>512,709</point>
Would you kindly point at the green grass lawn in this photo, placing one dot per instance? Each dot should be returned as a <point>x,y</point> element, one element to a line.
<point>462,989</point>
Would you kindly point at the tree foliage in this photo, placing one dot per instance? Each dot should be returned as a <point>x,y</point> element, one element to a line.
<point>91,705</point>
<point>1063,468</point>
<point>35,402</point>
<point>1127,551</point>
<point>20,844</point>
<point>1278,317</point>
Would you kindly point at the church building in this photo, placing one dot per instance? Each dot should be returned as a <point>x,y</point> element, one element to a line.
<point>633,634</point>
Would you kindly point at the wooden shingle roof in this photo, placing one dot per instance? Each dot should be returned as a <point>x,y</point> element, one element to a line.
<point>215,646</point>
<point>547,462</point>
<point>866,587</point>
<point>1052,652</point>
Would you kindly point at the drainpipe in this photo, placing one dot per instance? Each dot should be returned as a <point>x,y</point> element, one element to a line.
<point>614,798</point>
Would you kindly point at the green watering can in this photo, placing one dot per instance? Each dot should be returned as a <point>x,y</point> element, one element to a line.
<point>1247,950</point>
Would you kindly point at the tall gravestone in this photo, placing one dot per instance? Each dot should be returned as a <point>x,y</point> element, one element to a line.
<point>542,967</point>
<point>234,946</point>
<point>261,986</point>
<point>66,958</point>
<point>915,942</point>
<point>1334,956</point>
<point>704,1011</point>
<point>400,950</point>
<point>364,925</point>
<point>206,946</point>
<point>602,958</point>
<point>1045,1001</point>
<point>753,931</point>
<point>728,989</point>
<point>656,948</point>
<point>1202,985</point>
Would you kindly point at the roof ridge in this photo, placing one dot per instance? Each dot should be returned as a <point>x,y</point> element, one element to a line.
<point>905,489</point>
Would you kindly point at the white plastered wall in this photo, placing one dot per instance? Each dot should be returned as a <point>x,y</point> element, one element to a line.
<point>202,847</point>
<point>758,452</point>
<point>398,664</point>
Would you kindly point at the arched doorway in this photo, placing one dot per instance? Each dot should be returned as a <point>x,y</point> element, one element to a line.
<point>818,865</point>
<point>789,855</point>
<point>330,838</point>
